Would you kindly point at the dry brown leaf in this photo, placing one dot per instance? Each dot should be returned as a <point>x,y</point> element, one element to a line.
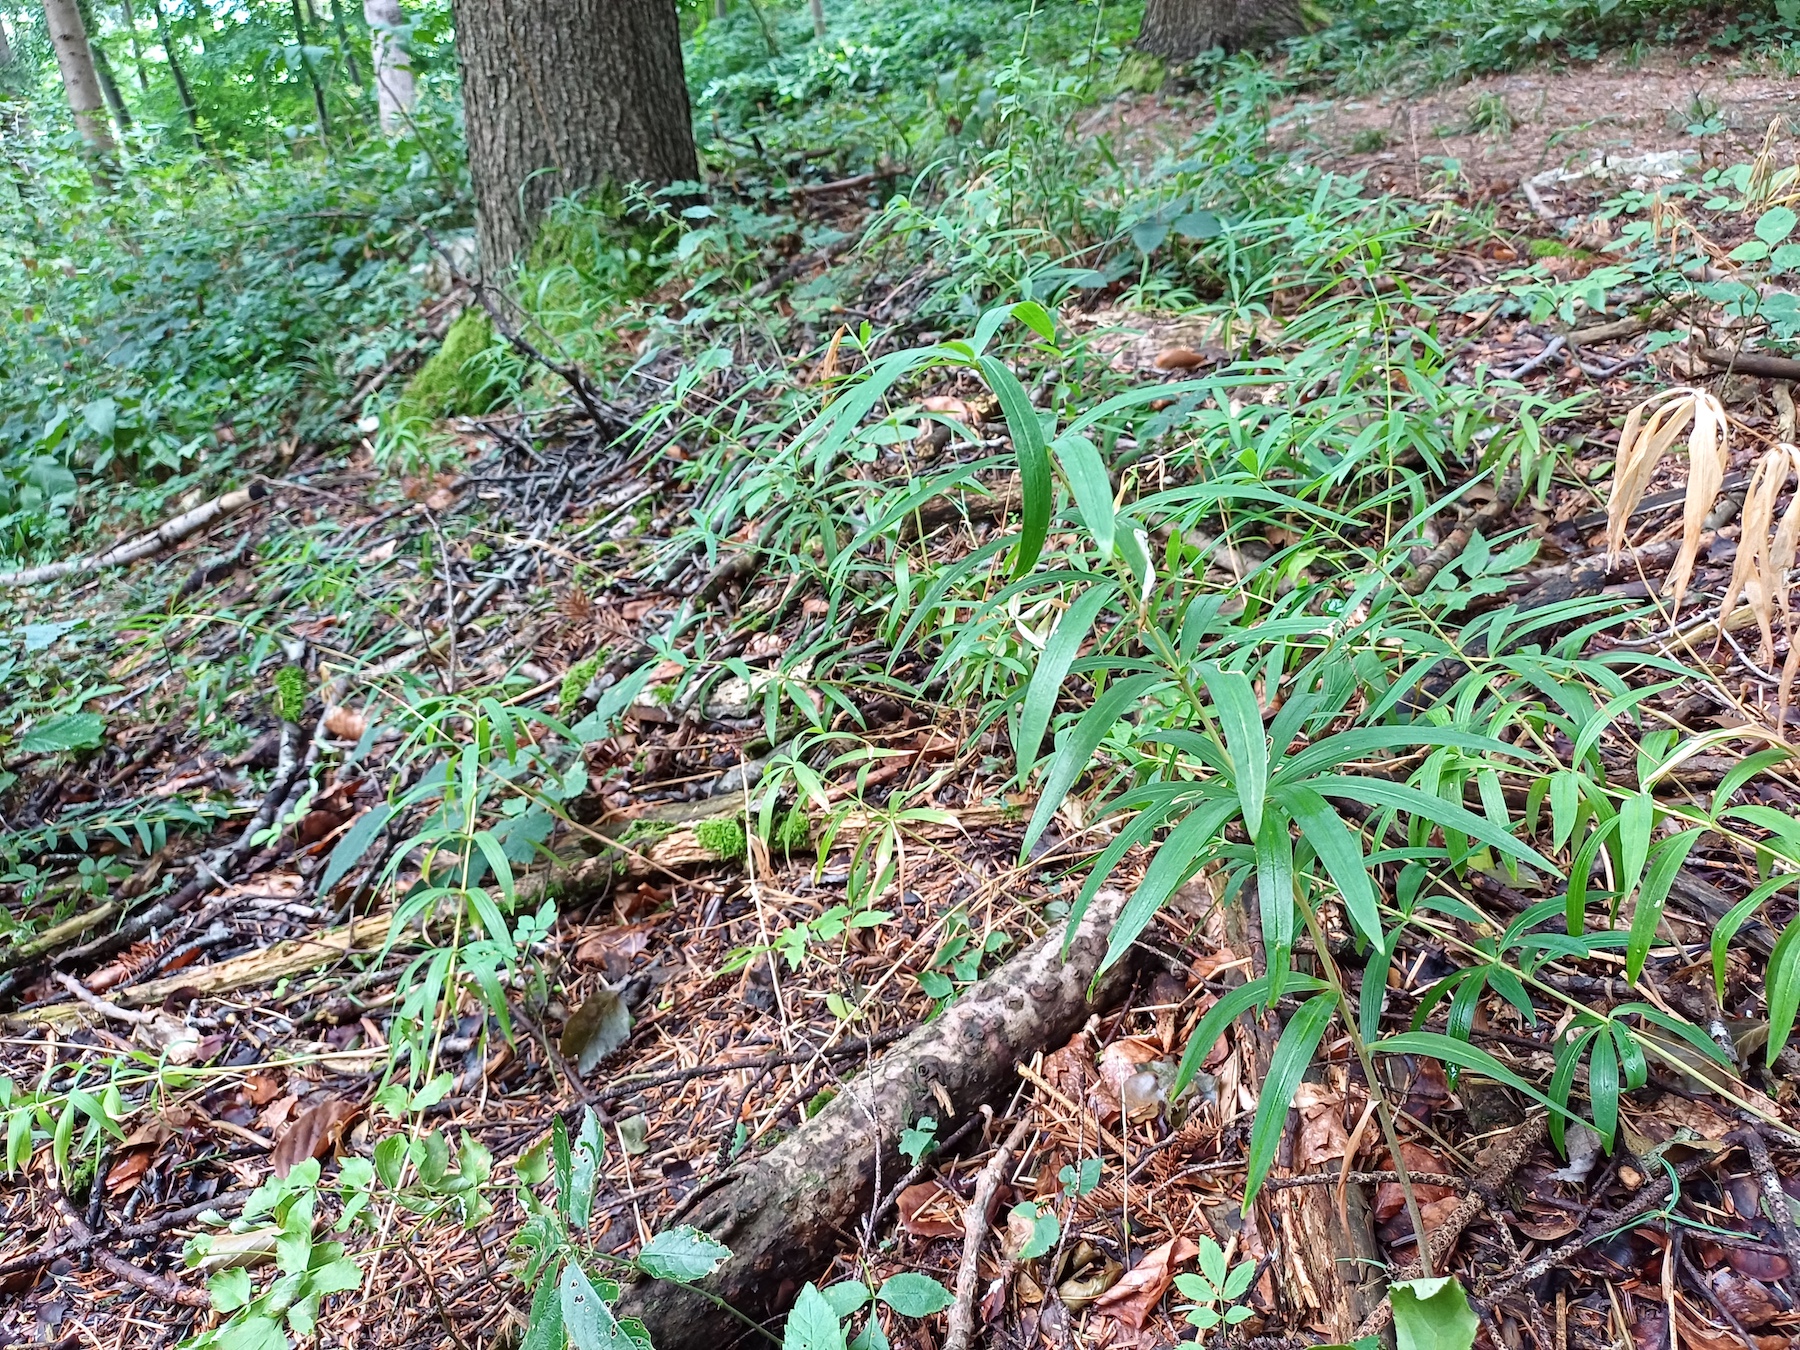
<point>1185,358</point>
<point>1322,1133</point>
<point>1765,551</point>
<point>317,1132</point>
<point>345,724</point>
<point>261,1088</point>
<point>928,1210</point>
<point>1745,1299</point>
<point>959,409</point>
<point>1650,429</point>
<point>1142,1287</point>
<point>1390,1199</point>
<point>124,1175</point>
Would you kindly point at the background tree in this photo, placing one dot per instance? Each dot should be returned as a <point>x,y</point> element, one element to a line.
<point>6,55</point>
<point>75,60</point>
<point>137,51</point>
<point>559,97</point>
<point>167,37</point>
<point>109,86</point>
<point>395,92</point>
<point>1179,30</point>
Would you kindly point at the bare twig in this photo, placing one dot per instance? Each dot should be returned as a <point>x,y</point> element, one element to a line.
<point>975,1229</point>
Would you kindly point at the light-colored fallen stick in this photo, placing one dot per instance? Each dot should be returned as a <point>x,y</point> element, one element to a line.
<point>288,957</point>
<point>166,535</point>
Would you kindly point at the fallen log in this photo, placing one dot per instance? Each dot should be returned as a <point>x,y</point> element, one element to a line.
<point>784,1215</point>
<point>166,535</point>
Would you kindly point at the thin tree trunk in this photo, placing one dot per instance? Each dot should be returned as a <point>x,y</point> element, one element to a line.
<point>343,36</point>
<point>137,51</point>
<point>75,59</point>
<point>1179,30</point>
<point>109,87</point>
<point>312,75</point>
<point>188,106</point>
<point>719,9</point>
<point>818,17</point>
<point>6,54</point>
<point>559,97</point>
<point>395,92</point>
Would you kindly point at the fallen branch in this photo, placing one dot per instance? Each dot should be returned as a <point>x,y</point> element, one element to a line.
<point>785,1215</point>
<point>1752,363</point>
<point>166,535</point>
<point>975,1231</point>
<point>160,1286</point>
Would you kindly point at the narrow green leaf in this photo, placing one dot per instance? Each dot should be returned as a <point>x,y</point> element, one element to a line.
<point>1188,843</point>
<point>1234,700</point>
<point>354,843</point>
<point>1275,894</point>
<point>1053,668</point>
<point>1035,483</point>
<point>1670,855</point>
<point>1446,815</point>
<point>1734,919</point>
<point>1093,489</point>
<point>1603,1088</point>
<point>1439,1046</point>
<point>1340,853</point>
<point>1293,1052</point>
<point>1784,988</point>
<point>1077,748</point>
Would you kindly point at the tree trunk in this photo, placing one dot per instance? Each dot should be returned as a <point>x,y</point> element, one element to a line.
<point>6,55</point>
<point>787,1213</point>
<point>109,87</point>
<point>75,59</point>
<point>1179,30</point>
<point>818,18</point>
<point>395,92</point>
<point>167,38</point>
<point>561,97</point>
<point>312,77</point>
<point>343,37</point>
<point>137,52</point>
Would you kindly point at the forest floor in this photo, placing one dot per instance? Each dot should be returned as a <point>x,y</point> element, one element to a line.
<point>704,993</point>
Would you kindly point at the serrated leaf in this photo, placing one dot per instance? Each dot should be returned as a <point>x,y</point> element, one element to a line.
<point>846,1296</point>
<point>683,1255</point>
<point>590,1324</point>
<point>67,731</point>
<point>914,1295</point>
<point>1433,1315</point>
<point>812,1325</point>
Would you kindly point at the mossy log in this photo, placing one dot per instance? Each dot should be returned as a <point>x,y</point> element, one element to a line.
<point>785,1214</point>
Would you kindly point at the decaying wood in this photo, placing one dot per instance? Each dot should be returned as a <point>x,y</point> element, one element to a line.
<point>169,533</point>
<point>961,1323</point>
<point>1330,1260</point>
<point>785,1214</point>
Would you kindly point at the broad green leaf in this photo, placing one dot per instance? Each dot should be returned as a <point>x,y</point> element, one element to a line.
<point>545,1329</point>
<point>914,1295</point>
<point>1036,486</point>
<point>1287,1067</point>
<point>1077,748</point>
<point>1093,489</point>
<point>1044,1229</point>
<point>1339,851</point>
<point>846,1296</point>
<point>1433,1315</point>
<point>813,1324</point>
<point>1234,700</point>
<point>353,844</point>
<point>230,1289</point>
<point>1052,668</point>
<point>1776,224</point>
<point>683,1255</point>
<point>68,731</point>
<point>588,1321</point>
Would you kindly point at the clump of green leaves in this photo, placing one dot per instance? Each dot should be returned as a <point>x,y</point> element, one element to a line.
<point>1215,1290</point>
<point>290,693</point>
<point>723,837</point>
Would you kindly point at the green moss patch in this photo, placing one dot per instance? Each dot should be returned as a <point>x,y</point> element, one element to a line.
<point>453,383</point>
<point>722,837</point>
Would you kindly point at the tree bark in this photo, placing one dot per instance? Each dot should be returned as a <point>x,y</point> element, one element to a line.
<point>1179,30</point>
<point>562,97</point>
<point>343,37</point>
<point>75,59</point>
<point>6,55</point>
<point>167,37</point>
<point>818,18</point>
<point>786,1214</point>
<point>312,76</point>
<point>395,92</point>
<point>137,51</point>
<point>109,86</point>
